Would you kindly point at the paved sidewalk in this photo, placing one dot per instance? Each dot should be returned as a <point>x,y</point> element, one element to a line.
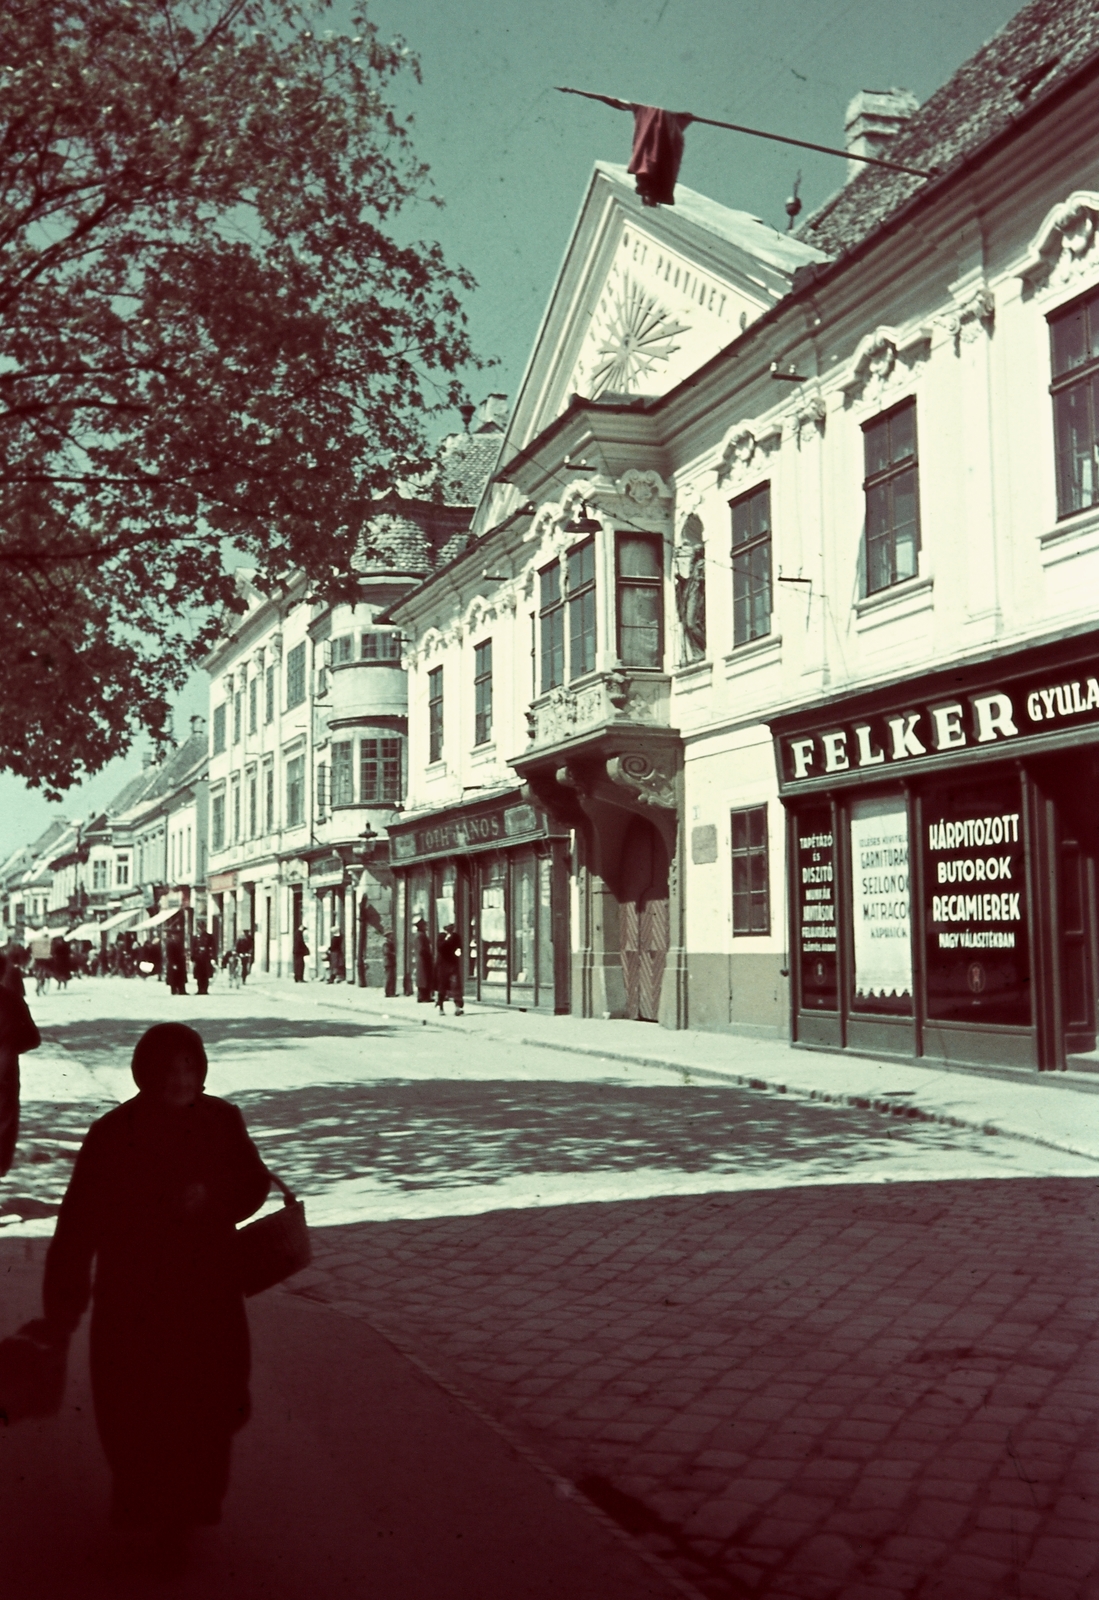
<point>358,1475</point>
<point>1055,1109</point>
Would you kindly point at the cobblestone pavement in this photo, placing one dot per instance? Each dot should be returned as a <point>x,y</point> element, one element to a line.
<point>858,1392</point>
<point>798,1349</point>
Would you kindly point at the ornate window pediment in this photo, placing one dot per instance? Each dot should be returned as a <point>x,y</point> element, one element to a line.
<point>742,445</point>
<point>883,358</point>
<point>1061,250</point>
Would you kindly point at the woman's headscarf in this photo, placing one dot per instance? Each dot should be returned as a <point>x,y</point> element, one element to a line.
<point>157,1049</point>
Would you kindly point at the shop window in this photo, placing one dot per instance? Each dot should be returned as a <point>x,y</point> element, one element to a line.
<point>238,715</point>
<point>381,647</point>
<point>580,584</point>
<point>751,876</point>
<point>269,695</point>
<point>380,763</point>
<point>435,714</point>
<point>253,804</point>
<point>217,822</point>
<point>975,910</point>
<point>493,922</point>
<point>1074,337</point>
<point>892,498</point>
<point>253,705</point>
<point>341,649</point>
<point>482,692</point>
<point>269,799</point>
<point>551,624</point>
<point>295,792</point>
<point>880,913</point>
<point>752,592</point>
<point>816,900</point>
<point>219,730</point>
<point>343,782</point>
<point>295,676</point>
<point>640,585</point>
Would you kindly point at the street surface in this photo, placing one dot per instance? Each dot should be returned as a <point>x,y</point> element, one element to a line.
<point>792,1348</point>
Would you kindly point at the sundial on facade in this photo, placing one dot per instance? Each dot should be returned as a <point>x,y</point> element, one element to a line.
<point>637,335</point>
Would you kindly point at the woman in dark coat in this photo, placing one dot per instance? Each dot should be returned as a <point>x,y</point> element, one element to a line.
<point>301,950</point>
<point>176,972</point>
<point>158,1186</point>
<point>425,963</point>
<point>202,964</point>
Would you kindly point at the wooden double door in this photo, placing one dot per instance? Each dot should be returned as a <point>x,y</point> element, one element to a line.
<point>644,926</point>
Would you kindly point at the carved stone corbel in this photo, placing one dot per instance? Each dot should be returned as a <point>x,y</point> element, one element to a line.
<point>651,781</point>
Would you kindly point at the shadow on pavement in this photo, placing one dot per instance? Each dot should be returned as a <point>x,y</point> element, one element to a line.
<point>356,1476</point>
<point>118,1035</point>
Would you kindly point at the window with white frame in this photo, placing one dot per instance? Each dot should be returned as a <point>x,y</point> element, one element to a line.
<point>482,692</point>
<point>122,870</point>
<point>892,498</point>
<point>752,592</point>
<point>295,676</point>
<point>343,778</point>
<point>295,791</point>
<point>381,768</point>
<point>1074,341</point>
<point>99,873</point>
<point>381,646</point>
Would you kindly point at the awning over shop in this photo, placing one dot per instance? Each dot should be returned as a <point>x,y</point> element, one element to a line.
<point>161,916</point>
<point>86,932</point>
<point>119,918</point>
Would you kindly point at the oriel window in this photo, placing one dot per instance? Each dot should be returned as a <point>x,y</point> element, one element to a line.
<point>482,692</point>
<point>551,625</point>
<point>1074,337</point>
<point>751,877</point>
<point>892,498</point>
<point>580,582</point>
<point>341,650</point>
<point>752,592</point>
<point>640,577</point>
<point>380,770</point>
<point>343,782</point>
<point>435,714</point>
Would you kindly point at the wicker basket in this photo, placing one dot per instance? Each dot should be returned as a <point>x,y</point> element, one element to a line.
<point>274,1247</point>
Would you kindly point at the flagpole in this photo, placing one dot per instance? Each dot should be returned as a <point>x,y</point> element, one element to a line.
<point>758,133</point>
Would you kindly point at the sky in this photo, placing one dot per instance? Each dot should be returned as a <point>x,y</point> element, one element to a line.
<point>511,158</point>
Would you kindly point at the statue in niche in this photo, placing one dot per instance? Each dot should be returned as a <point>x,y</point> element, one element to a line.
<point>690,588</point>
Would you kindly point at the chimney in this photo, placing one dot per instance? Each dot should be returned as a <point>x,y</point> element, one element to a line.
<point>491,415</point>
<point>198,727</point>
<point>873,120</point>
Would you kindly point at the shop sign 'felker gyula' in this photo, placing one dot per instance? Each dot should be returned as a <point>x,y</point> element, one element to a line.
<point>945,727</point>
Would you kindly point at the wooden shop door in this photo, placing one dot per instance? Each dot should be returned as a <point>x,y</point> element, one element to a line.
<point>643,919</point>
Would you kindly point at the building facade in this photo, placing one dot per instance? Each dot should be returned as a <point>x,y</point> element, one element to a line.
<point>308,738</point>
<point>808,629</point>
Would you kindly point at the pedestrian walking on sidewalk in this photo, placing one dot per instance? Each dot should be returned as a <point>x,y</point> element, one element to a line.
<point>176,965</point>
<point>389,964</point>
<point>18,1034</point>
<point>246,950</point>
<point>301,950</point>
<point>202,963</point>
<point>448,969</point>
<point>334,958</point>
<point>157,1190</point>
<point>425,963</point>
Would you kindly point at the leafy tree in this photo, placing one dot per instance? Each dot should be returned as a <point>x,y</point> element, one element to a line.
<point>210,334</point>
